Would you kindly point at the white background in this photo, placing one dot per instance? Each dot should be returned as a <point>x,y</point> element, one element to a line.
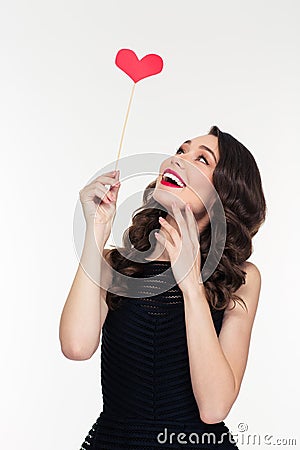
<point>62,103</point>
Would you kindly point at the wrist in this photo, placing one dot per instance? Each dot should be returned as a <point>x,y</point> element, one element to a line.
<point>98,233</point>
<point>93,227</point>
<point>195,291</point>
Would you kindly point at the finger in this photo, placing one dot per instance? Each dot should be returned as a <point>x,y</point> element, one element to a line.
<point>166,236</point>
<point>103,196</point>
<point>171,230</point>
<point>180,220</point>
<point>113,173</point>
<point>113,192</point>
<point>115,185</point>
<point>192,225</point>
<point>164,241</point>
<point>105,180</point>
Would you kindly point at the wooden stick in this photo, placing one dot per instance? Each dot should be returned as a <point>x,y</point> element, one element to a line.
<point>124,126</point>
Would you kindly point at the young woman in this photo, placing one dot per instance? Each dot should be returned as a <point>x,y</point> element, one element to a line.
<point>175,338</point>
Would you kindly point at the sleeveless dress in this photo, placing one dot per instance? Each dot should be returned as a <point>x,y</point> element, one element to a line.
<point>148,400</point>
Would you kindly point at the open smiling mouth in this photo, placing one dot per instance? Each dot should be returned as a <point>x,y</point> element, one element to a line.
<point>171,180</point>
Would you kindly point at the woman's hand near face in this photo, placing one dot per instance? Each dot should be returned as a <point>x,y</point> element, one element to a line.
<point>183,249</point>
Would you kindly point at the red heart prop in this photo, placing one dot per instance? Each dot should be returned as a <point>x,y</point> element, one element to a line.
<point>137,69</point>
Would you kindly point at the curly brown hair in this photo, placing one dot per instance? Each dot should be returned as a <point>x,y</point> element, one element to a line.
<point>237,181</point>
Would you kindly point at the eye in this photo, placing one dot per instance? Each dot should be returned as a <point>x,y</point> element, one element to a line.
<point>200,156</point>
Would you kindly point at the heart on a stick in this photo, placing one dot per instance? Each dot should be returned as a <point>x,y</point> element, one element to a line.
<point>136,69</point>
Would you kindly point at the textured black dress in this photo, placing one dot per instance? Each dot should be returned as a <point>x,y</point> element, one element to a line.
<point>148,401</point>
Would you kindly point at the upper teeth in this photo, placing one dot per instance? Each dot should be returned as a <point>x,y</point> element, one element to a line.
<point>176,179</point>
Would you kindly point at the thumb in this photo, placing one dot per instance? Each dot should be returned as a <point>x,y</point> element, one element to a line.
<point>114,189</point>
<point>115,186</point>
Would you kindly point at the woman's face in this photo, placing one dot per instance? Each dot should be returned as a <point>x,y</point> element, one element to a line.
<point>194,162</point>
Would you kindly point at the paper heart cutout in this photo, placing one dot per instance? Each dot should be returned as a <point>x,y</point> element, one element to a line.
<point>137,69</point>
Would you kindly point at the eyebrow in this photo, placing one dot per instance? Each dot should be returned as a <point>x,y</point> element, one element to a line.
<point>203,146</point>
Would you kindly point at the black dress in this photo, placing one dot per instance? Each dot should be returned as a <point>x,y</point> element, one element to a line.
<point>148,401</point>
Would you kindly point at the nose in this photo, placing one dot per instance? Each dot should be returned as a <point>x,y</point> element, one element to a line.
<point>177,161</point>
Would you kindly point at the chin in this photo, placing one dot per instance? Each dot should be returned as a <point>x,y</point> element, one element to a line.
<point>165,197</point>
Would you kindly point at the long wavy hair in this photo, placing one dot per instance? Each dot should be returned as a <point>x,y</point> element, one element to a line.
<point>237,181</point>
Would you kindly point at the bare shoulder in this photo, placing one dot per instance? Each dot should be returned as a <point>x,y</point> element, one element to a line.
<point>238,321</point>
<point>249,291</point>
<point>252,285</point>
<point>252,271</point>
